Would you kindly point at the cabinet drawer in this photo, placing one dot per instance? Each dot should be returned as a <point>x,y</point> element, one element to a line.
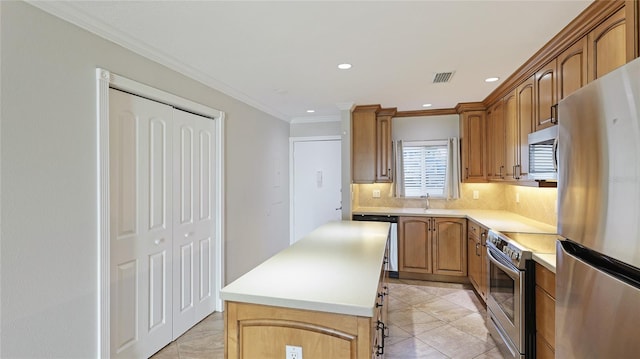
<point>474,229</point>
<point>546,279</point>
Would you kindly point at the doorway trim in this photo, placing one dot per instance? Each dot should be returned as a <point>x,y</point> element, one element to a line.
<point>105,80</point>
<point>292,141</point>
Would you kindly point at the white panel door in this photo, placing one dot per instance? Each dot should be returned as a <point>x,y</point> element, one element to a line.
<point>317,184</point>
<point>193,219</point>
<point>141,227</point>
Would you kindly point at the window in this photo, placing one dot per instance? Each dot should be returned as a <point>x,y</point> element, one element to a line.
<point>424,168</point>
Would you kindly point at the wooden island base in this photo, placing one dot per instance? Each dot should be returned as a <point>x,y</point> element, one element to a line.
<point>260,331</point>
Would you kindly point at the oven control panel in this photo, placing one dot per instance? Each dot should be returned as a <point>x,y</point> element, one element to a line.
<point>511,250</point>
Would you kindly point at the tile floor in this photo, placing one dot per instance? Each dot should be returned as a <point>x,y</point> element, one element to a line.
<point>427,320</point>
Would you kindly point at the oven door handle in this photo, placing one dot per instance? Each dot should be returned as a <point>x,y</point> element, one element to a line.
<point>513,273</point>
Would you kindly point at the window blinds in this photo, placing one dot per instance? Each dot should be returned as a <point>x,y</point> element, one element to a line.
<point>425,168</point>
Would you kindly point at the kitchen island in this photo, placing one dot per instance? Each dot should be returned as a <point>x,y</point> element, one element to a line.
<point>325,294</point>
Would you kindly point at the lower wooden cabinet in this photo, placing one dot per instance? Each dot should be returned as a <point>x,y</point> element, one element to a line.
<point>477,257</point>
<point>545,312</point>
<point>264,331</point>
<point>430,245</point>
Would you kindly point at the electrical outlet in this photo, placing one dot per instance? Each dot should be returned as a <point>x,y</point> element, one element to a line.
<point>517,197</point>
<point>476,194</point>
<point>293,352</point>
<point>376,193</point>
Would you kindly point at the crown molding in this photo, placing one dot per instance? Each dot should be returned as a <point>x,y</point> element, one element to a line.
<point>470,106</point>
<point>67,12</point>
<point>421,113</point>
<point>391,112</point>
<point>367,108</point>
<point>580,26</point>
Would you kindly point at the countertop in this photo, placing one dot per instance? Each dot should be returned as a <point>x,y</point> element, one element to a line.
<point>335,269</point>
<point>501,221</point>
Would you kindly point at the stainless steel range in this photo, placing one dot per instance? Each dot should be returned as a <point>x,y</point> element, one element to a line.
<point>510,305</point>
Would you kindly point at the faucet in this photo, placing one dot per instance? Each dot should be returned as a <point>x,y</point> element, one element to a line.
<point>426,201</point>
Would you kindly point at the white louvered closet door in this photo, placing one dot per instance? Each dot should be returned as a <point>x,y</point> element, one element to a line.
<point>193,219</point>
<point>141,226</point>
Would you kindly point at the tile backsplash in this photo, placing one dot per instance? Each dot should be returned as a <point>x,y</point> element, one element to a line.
<point>535,203</point>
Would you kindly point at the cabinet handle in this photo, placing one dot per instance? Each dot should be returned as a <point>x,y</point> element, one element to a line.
<point>466,170</point>
<point>554,114</point>
<point>380,326</point>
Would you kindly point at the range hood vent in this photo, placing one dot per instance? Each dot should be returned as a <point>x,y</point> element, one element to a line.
<point>442,77</point>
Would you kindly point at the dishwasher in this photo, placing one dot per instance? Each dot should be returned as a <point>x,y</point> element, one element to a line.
<point>393,237</point>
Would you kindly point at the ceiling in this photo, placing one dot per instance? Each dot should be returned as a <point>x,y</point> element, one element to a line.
<point>282,57</point>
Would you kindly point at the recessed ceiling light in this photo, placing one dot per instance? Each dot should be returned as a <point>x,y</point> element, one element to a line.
<point>427,105</point>
<point>311,111</point>
<point>344,66</point>
<point>491,79</point>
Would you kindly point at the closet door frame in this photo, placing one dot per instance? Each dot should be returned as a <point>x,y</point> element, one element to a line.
<point>105,80</point>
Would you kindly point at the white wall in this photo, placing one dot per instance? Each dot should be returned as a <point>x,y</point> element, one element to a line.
<point>425,127</point>
<point>310,129</point>
<point>48,167</point>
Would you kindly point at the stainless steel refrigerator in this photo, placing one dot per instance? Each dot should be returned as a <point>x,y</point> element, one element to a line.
<point>598,264</point>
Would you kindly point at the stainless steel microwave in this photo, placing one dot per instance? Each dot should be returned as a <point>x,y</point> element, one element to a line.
<point>543,154</point>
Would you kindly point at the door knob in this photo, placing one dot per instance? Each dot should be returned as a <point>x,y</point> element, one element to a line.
<point>159,241</point>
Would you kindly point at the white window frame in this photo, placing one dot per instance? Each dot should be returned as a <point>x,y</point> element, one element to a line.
<point>425,144</point>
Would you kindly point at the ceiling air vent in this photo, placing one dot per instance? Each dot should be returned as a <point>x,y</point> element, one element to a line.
<point>442,77</point>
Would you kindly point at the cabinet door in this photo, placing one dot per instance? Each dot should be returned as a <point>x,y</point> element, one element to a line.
<point>496,142</point>
<point>546,96</point>
<point>414,244</point>
<point>525,103</point>
<point>572,69</point>
<point>384,159</point>
<point>545,312</point>
<point>363,144</point>
<point>484,264</point>
<point>473,146</point>
<point>512,135</point>
<point>607,46</point>
<point>473,258</point>
<point>450,246</point>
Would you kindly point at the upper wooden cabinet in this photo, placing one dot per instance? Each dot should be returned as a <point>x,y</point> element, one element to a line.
<point>384,145</point>
<point>607,45</point>
<point>546,96</point>
<point>496,149</point>
<point>371,147</point>
<point>363,143</point>
<point>473,145</point>
<point>525,99</point>
<point>511,135</point>
<point>572,68</point>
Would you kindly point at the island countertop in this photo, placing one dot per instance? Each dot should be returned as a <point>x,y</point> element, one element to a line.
<point>335,269</point>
